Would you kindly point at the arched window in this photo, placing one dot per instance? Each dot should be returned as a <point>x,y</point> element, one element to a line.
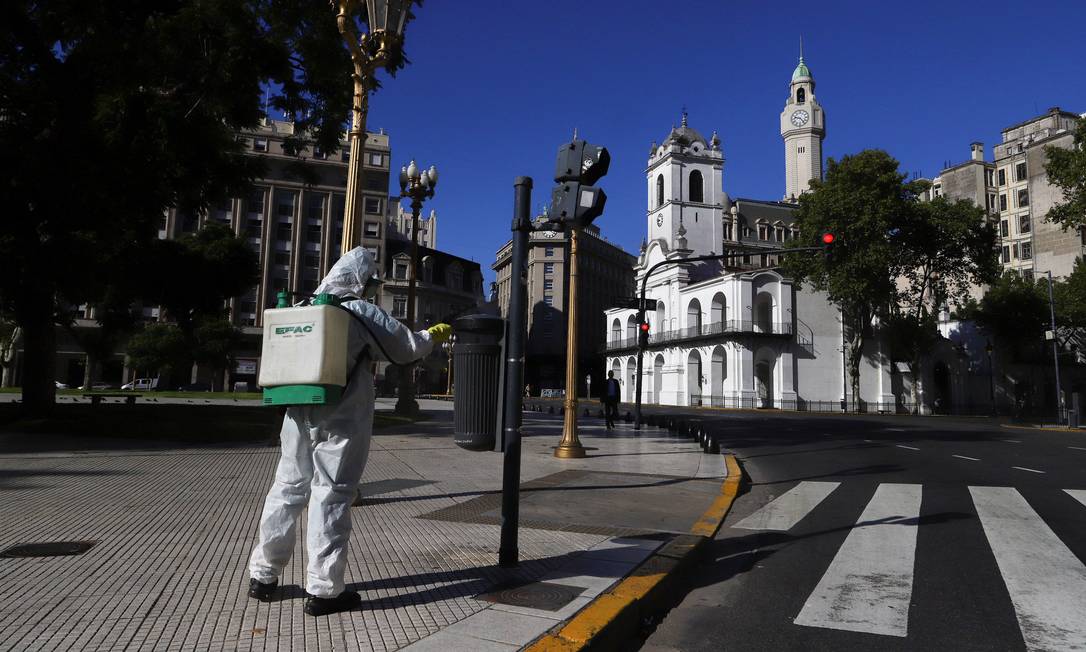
<point>697,191</point>
<point>659,190</point>
<point>801,96</point>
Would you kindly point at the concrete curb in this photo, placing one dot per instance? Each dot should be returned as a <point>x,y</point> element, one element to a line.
<point>607,621</point>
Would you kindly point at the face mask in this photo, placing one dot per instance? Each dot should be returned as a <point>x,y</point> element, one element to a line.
<point>372,289</point>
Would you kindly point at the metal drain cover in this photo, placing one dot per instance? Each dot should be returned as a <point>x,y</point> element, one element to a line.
<point>547,596</point>
<point>48,549</point>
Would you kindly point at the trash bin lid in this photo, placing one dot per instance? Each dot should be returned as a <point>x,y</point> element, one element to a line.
<point>479,323</point>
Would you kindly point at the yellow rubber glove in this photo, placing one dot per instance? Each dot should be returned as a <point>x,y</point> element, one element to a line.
<point>440,332</point>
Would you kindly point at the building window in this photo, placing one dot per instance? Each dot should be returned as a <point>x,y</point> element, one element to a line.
<point>1023,198</point>
<point>319,155</point>
<point>376,251</point>
<point>763,232</point>
<point>1004,228</point>
<point>313,233</point>
<point>727,229</point>
<point>373,206</point>
<point>284,206</point>
<point>399,307</point>
<point>377,159</point>
<point>548,268</point>
<point>801,96</point>
<point>697,190</point>
<point>802,150</point>
<point>312,261</point>
<point>779,233</point>
<point>282,258</point>
<point>399,270</point>
<point>548,251</point>
<point>345,153</point>
<point>1003,176</point>
<point>372,230</point>
<point>1020,171</point>
<point>256,202</point>
<point>283,231</point>
<point>260,144</point>
<point>548,284</point>
<point>991,202</point>
<point>989,178</point>
<point>1027,251</point>
<point>1002,201</point>
<point>1028,275</point>
<point>548,299</point>
<point>1014,250</point>
<point>254,227</point>
<point>1023,223</point>
<point>659,190</point>
<point>1006,254</point>
<point>314,207</point>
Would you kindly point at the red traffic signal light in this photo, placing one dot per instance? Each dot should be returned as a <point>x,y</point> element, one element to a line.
<point>645,326</point>
<point>827,238</point>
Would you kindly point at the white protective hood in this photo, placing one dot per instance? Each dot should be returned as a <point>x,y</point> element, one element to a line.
<point>348,277</point>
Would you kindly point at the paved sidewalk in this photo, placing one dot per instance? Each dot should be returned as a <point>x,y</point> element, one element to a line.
<point>173,529</point>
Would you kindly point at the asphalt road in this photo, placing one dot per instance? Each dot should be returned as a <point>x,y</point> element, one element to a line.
<point>892,533</point>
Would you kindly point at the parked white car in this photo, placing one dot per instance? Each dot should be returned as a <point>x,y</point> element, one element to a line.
<point>96,386</point>
<point>141,384</point>
<point>60,385</point>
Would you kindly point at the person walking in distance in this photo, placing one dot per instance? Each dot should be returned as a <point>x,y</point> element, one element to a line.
<point>611,393</point>
<point>324,447</point>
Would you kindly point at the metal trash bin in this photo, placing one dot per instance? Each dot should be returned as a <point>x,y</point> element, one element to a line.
<point>477,367</point>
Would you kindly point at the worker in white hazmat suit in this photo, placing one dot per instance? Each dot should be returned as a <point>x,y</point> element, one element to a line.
<point>324,448</point>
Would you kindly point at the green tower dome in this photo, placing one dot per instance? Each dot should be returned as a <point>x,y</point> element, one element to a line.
<point>801,70</point>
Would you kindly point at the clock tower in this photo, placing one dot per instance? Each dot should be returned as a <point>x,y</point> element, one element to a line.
<point>803,126</point>
<point>686,200</point>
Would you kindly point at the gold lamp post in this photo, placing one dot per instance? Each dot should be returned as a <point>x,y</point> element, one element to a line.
<point>386,19</point>
<point>416,185</point>
<point>570,447</point>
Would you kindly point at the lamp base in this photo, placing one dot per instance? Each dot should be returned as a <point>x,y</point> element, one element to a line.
<point>570,451</point>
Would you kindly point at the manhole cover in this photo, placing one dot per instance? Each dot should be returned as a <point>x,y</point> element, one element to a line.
<point>547,596</point>
<point>48,549</point>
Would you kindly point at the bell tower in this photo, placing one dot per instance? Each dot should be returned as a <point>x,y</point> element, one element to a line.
<point>803,126</point>
<point>684,180</point>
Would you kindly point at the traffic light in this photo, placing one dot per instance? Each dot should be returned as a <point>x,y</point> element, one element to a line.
<point>827,246</point>
<point>575,201</point>
<point>643,332</point>
<point>575,204</point>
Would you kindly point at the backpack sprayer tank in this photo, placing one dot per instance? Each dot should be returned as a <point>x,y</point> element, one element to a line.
<point>303,359</point>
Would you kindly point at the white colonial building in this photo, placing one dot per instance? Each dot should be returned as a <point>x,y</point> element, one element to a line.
<point>735,334</point>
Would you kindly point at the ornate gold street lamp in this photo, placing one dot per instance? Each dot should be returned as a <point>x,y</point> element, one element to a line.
<point>416,185</point>
<point>386,19</point>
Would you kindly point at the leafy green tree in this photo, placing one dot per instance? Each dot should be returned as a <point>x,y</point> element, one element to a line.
<point>1070,298</point>
<point>158,349</point>
<point>116,111</point>
<point>9,335</point>
<point>1066,168</point>
<point>1015,312</point>
<point>192,278</point>
<point>862,201</point>
<point>895,258</point>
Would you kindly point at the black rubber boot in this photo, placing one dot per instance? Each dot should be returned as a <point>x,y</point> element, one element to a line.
<point>262,591</point>
<point>345,601</point>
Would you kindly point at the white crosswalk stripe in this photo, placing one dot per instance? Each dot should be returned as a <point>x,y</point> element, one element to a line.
<point>1077,494</point>
<point>1046,582</point>
<point>789,508</point>
<point>869,583</point>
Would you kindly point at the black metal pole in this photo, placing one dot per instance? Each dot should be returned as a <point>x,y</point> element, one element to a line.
<point>642,338</point>
<point>514,372</point>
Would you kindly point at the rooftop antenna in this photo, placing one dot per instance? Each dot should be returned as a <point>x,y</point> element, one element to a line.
<point>801,48</point>
<point>575,133</point>
<point>267,99</point>
<point>684,115</point>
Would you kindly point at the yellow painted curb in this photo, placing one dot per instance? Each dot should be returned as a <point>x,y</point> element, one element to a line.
<point>641,586</point>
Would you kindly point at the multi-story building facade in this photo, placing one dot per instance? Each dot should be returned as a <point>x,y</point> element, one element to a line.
<point>605,276</point>
<point>1015,191</point>
<point>446,287</point>
<point>1032,245</point>
<point>399,224</point>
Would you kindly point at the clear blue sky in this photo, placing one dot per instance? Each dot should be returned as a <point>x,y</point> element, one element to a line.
<point>496,86</point>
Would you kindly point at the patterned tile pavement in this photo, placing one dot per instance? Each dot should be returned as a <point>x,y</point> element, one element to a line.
<point>174,528</point>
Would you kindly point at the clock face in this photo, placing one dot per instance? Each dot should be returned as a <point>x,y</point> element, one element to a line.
<point>659,220</point>
<point>799,118</point>
<point>586,164</point>
<point>550,234</point>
